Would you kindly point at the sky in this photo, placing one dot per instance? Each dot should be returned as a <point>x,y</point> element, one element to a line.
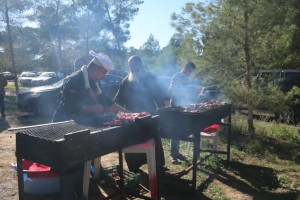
<point>154,17</point>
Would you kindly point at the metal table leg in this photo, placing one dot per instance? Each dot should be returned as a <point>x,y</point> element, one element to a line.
<point>86,180</point>
<point>20,178</point>
<point>195,158</point>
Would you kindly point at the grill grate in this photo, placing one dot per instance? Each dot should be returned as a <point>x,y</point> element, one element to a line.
<point>53,131</point>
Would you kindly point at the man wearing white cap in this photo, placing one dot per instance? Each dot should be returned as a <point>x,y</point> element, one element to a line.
<point>82,100</point>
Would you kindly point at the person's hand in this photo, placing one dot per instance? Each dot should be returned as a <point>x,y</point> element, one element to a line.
<point>98,108</point>
<point>94,109</point>
<point>117,108</point>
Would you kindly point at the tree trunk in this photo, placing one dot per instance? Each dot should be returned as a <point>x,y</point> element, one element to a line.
<point>12,55</point>
<point>88,33</point>
<point>60,65</point>
<point>60,68</point>
<point>251,129</point>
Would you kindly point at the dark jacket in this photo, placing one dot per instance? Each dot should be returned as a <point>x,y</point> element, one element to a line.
<point>74,96</point>
<point>141,96</point>
<point>180,93</point>
<point>3,84</point>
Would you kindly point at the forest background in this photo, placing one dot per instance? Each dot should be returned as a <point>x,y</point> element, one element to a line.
<point>224,38</point>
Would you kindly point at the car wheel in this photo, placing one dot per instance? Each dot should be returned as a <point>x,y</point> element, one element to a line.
<point>47,107</point>
<point>288,116</point>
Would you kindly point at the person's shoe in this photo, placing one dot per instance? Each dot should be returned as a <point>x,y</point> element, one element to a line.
<point>174,161</point>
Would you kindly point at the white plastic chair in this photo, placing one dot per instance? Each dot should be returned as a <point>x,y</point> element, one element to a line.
<point>148,148</point>
<point>210,133</point>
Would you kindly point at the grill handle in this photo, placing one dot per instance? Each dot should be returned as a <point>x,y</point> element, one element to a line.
<point>76,135</point>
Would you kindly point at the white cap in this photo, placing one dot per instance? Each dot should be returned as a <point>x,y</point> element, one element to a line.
<point>102,59</point>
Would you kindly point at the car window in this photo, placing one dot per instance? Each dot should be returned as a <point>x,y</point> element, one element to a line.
<point>293,78</point>
<point>27,74</point>
<point>47,74</point>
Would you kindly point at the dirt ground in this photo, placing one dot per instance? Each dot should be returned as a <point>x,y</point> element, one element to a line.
<point>239,181</point>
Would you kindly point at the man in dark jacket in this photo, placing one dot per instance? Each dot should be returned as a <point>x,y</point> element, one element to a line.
<point>139,92</point>
<point>82,99</point>
<point>180,95</point>
<point>3,84</point>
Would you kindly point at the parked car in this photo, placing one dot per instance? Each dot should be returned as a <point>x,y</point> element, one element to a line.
<point>110,84</point>
<point>43,100</point>
<point>211,93</point>
<point>120,73</point>
<point>26,77</point>
<point>46,78</point>
<point>8,75</point>
<point>285,80</point>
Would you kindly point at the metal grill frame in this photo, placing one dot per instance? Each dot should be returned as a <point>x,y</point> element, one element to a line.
<point>179,124</point>
<point>81,145</point>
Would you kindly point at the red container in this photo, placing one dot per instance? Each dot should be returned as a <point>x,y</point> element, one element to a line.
<point>39,180</point>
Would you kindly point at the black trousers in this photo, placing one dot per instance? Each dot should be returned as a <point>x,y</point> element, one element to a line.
<point>136,160</point>
<point>2,105</point>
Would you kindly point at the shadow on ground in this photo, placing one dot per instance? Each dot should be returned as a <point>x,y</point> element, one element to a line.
<point>255,181</point>
<point>4,125</point>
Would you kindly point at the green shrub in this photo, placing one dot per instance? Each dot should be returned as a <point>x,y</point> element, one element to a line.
<point>272,139</point>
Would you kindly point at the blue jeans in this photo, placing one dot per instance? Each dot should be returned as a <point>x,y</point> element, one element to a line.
<point>174,151</point>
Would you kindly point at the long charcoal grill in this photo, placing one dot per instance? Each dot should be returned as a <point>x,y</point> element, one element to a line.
<point>63,145</point>
<point>186,126</point>
<point>178,124</point>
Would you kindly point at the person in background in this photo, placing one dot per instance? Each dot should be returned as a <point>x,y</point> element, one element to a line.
<point>82,99</point>
<point>79,63</point>
<point>3,84</point>
<point>139,92</point>
<point>180,95</point>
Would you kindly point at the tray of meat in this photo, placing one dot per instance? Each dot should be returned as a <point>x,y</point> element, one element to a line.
<point>195,108</point>
<point>105,118</point>
<point>204,106</point>
<point>175,121</point>
<point>123,118</point>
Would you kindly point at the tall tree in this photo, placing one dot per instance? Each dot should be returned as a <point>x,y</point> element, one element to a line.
<point>11,15</point>
<point>57,27</point>
<point>151,47</point>
<point>104,26</point>
<point>150,51</point>
<point>118,14</point>
<point>90,21</point>
<point>241,36</point>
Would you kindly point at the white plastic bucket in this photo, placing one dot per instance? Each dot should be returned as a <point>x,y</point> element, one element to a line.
<point>38,179</point>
